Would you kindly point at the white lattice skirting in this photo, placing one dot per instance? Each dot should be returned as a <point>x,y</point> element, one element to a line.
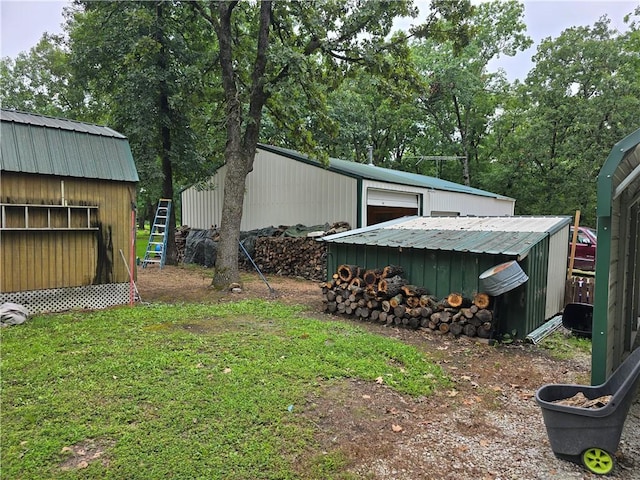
<point>92,297</point>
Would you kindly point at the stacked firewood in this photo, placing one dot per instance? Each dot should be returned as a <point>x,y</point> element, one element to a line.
<point>181,241</point>
<point>385,296</point>
<point>291,256</point>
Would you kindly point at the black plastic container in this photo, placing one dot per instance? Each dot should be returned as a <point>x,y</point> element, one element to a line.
<point>590,436</point>
<point>578,318</point>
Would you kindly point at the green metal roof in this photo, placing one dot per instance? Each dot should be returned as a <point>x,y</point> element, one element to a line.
<point>512,236</point>
<point>53,146</point>
<point>372,172</point>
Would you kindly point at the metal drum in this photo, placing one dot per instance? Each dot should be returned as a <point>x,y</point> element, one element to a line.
<point>502,278</point>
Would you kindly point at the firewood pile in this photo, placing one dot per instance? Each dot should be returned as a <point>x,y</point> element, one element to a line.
<point>385,296</point>
<point>284,250</point>
<point>291,257</point>
<point>181,241</point>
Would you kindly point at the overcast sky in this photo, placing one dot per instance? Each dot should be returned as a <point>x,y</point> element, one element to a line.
<point>24,22</point>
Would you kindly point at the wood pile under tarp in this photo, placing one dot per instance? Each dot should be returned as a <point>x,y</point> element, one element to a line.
<point>284,250</point>
<point>385,296</point>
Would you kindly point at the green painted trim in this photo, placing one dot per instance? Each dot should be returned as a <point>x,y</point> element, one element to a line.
<point>600,340</point>
<point>359,186</point>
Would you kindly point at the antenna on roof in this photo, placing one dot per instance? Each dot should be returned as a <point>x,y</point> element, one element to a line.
<point>370,148</point>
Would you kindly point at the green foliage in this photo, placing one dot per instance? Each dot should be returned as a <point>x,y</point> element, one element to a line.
<point>151,65</point>
<point>575,104</point>
<point>459,97</point>
<point>336,80</point>
<point>564,346</point>
<point>184,391</point>
<point>40,81</point>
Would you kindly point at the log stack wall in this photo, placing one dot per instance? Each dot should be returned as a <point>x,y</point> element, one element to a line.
<point>385,296</point>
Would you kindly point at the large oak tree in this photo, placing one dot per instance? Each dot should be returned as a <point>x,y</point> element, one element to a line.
<point>270,50</point>
<point>266,50</point>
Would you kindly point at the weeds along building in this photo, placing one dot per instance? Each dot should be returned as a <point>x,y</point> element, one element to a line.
<point>68,190</point>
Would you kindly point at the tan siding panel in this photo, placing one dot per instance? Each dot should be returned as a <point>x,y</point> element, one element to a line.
<point>55,259</point>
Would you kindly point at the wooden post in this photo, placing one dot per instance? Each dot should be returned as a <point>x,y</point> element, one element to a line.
<point>573,244</point>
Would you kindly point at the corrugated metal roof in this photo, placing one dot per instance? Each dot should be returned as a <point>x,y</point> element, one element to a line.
<point>372,172</point>
<point>53,146</point>
<point>513,236</point>
<point>61,123</point>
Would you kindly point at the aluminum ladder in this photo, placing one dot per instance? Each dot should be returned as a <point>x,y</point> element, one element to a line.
<point>157,246</point>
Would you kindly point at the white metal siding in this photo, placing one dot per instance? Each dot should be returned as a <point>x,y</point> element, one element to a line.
<point>557,276</point>
<point>466,204</point>
<point>283,191</point>
<point>202,209</point>
<point>279,191</point>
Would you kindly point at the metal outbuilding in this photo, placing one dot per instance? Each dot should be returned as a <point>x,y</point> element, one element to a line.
<point>616,307</point>
<point>289,188</point>
<point>67,195</point>
<point>449,254</point>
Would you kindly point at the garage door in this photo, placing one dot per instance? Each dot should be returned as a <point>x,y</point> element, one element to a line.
<point>383,205</point>
<point>390,198</point>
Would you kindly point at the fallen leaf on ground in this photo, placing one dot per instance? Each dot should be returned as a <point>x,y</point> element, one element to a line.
<point>396,428</point>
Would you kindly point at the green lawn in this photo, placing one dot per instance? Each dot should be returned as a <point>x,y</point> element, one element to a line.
<point>184,391</point>
<point>142,239</point>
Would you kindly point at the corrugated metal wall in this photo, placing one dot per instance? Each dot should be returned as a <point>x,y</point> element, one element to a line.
<point>557,277</point>
<point>279,191</point>
<point>41,259</point>
<point>441,272</point>
<point>523,309</point>
<point>465,204</point>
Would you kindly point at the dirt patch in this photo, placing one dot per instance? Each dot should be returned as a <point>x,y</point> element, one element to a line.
<point>193,284</point>
<point>81,455</point>
<point>486,426</point>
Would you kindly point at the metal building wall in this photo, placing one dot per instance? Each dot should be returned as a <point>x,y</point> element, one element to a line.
<point>465,204</point>
<point>201,208</point>
<point>35,259</point>
<point>279,191</point>
<point>557,277</point>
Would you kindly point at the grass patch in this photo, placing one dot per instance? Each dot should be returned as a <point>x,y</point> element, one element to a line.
<point>182,391</point>
<point>142,240</point>
<point>563,345</point>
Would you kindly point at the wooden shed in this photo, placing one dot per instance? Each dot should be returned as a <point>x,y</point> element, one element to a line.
<point>616,306</point>
<point>288,188</point>
<point>449,254</point>
<point>68,190</point>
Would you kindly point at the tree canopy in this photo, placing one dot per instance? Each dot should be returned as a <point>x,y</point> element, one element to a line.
<point>195,85</point>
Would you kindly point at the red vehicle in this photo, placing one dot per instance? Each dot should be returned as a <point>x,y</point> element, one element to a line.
<point>585,257</point>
